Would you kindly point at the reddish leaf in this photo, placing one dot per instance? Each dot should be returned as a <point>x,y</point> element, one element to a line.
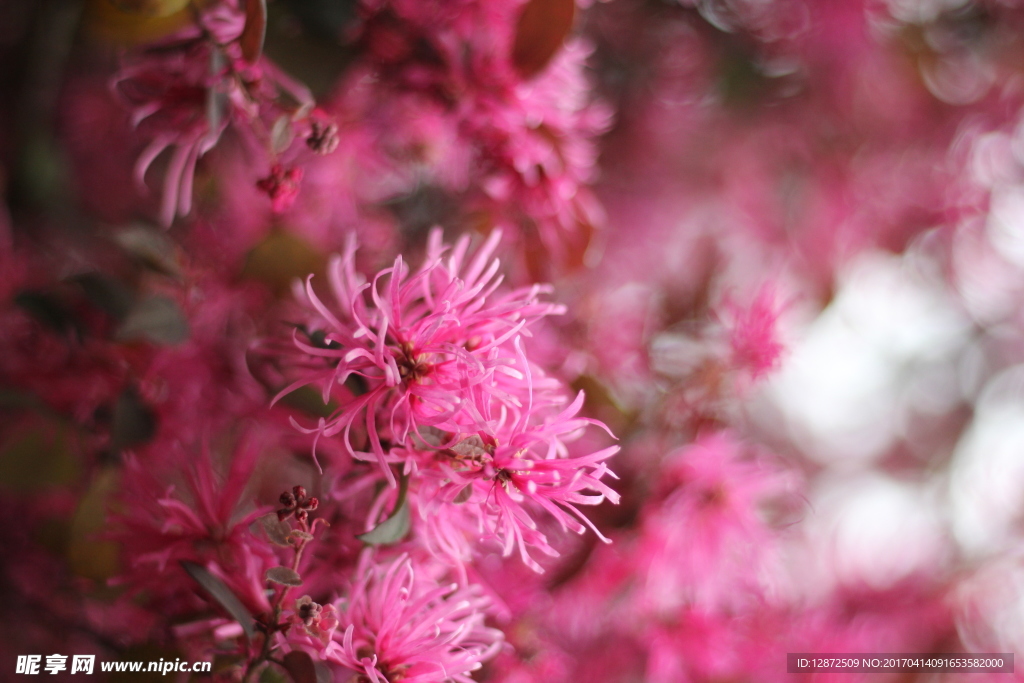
<point>255,30</point>
<point>300,666</point>
<point>543,27</point>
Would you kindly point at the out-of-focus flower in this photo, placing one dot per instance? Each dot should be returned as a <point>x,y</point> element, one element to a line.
<point>753,334</point>
<point>398,626</point>
<point>517,147</point>
<point>184,92</point>
<point>708,542</point>
<point>206,524</point>
<point>174,93</point>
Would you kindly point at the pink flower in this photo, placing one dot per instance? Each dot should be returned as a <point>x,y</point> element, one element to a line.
<point>708,541</point>
<point>282,186</point>
<point>519,147</point>
<point>186,90</point>
<point>435,349</point>
<point>203,524</point>
<point>314,620</point>
<point>497,483</point>
<point>172,95</point>
<point>399,626</point>
<point>753,334</point>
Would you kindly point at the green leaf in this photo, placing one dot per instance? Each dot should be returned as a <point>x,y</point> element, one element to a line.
<point>301,535</point>
<point>88,555</point>
<point>281,134</point>
<point>157,319</point>
<point>284,575</point>
<point>36,453</point>
<point>151,248</point>
<point>394,528</point>
<point>271,674</point>
<point>391,530</point>
<point>222,595</point>
<point>276,531</point>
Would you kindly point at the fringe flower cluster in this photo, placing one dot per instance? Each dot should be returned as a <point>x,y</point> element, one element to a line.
<point>431,382</point>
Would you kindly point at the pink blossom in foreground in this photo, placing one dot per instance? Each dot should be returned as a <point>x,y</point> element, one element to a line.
<point>397,626</point>
<point>432,349</point>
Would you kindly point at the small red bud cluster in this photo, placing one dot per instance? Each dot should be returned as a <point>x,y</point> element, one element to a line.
<point>296,503</point>
<point>323,138</point>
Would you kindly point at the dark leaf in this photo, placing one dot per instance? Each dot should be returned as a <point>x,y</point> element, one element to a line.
<point>36,452</point>
<point>222,594</point>
<point>106,293</point>
<point>134,421</point>
<point>394,528</point>
<point>13,399</point>
<point>300,665</point>
<point>277,532</point>
<point>472,448</point>
<point>157,319</point>
<point>255,30</point>
<point>224,663</point>
<point>356,384</point>
<point>309,401</point>
<point>284,575</point>
<point>542,28</point>
<point>48,311</point>
<point>328,20</point>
